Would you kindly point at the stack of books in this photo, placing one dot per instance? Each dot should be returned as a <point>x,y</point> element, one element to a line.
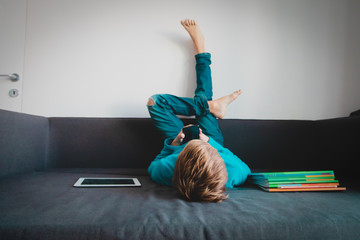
<point>296,181</point>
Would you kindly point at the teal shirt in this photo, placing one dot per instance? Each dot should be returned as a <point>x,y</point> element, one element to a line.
<point>162,167</point>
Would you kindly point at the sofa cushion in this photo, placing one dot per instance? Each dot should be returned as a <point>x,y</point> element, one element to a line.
<point>45,205</point>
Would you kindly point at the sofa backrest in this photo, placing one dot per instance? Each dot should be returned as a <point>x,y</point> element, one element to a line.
<point>102,143</point>
<point>33,143</point>
<point>331,144</point>
<point>272,144</point>
<point>23,142</point>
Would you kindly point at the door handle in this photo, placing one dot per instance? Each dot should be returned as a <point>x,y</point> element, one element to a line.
<point>13,77</point>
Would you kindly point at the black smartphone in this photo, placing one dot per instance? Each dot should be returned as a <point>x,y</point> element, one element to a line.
<point>191,132</point>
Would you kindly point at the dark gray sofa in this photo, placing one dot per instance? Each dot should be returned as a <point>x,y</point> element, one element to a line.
<point>41,158</point>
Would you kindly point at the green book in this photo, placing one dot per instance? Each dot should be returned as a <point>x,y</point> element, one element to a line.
<point>292,173</point>
<point>281,179</point>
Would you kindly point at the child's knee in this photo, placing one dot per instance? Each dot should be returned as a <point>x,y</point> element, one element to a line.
<point>150,102</point>
<point>154,99</point>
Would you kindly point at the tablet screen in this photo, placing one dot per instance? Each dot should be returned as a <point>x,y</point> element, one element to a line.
<point>108,181</point>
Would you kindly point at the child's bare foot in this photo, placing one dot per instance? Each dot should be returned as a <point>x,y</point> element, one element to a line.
<point>218,106</point>
<point>194,31</point>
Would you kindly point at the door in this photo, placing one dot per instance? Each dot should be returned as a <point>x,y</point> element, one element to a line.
<point>12,48</point>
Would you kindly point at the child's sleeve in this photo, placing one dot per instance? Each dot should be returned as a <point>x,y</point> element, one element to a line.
<point>161,169</point>
<point>238,171</point>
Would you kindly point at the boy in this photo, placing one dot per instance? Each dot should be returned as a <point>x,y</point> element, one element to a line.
<point>200,169</point>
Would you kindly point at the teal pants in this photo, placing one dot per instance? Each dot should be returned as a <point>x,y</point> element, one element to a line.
<point>166,107</point>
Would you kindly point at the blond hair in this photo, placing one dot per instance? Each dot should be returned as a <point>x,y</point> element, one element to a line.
<point>200,173</point>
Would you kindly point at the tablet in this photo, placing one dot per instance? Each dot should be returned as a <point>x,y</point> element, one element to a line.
<point>107,182</point>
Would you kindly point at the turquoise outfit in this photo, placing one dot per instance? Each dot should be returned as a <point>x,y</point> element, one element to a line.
<point>164,115</point>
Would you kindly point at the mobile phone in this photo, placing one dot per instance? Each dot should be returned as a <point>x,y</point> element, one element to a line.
<point>191,132</point>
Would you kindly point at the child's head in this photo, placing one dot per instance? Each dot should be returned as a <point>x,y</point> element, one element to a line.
<point>200,173</point>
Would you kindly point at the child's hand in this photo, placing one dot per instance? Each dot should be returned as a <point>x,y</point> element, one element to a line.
<point>203,137</point>
<point>179,139</point>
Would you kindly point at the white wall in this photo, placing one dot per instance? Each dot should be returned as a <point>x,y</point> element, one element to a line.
<point>12,44</point>
<point>294,59</point>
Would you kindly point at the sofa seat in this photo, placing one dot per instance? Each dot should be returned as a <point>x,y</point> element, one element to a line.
<point>45,205</point>
<point>41,158</point>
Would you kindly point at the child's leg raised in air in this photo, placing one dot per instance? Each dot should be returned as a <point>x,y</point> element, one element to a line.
<point>203,59</point>
<point>207,122</point>
<point>194,31</point>
<point>204,84</point>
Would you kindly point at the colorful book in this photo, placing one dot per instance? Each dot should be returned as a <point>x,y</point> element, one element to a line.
<point>293,173</point>
<point>296,181</point>
<point>304,189</point>
<point>276,184</point>
<point>308,185</point>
